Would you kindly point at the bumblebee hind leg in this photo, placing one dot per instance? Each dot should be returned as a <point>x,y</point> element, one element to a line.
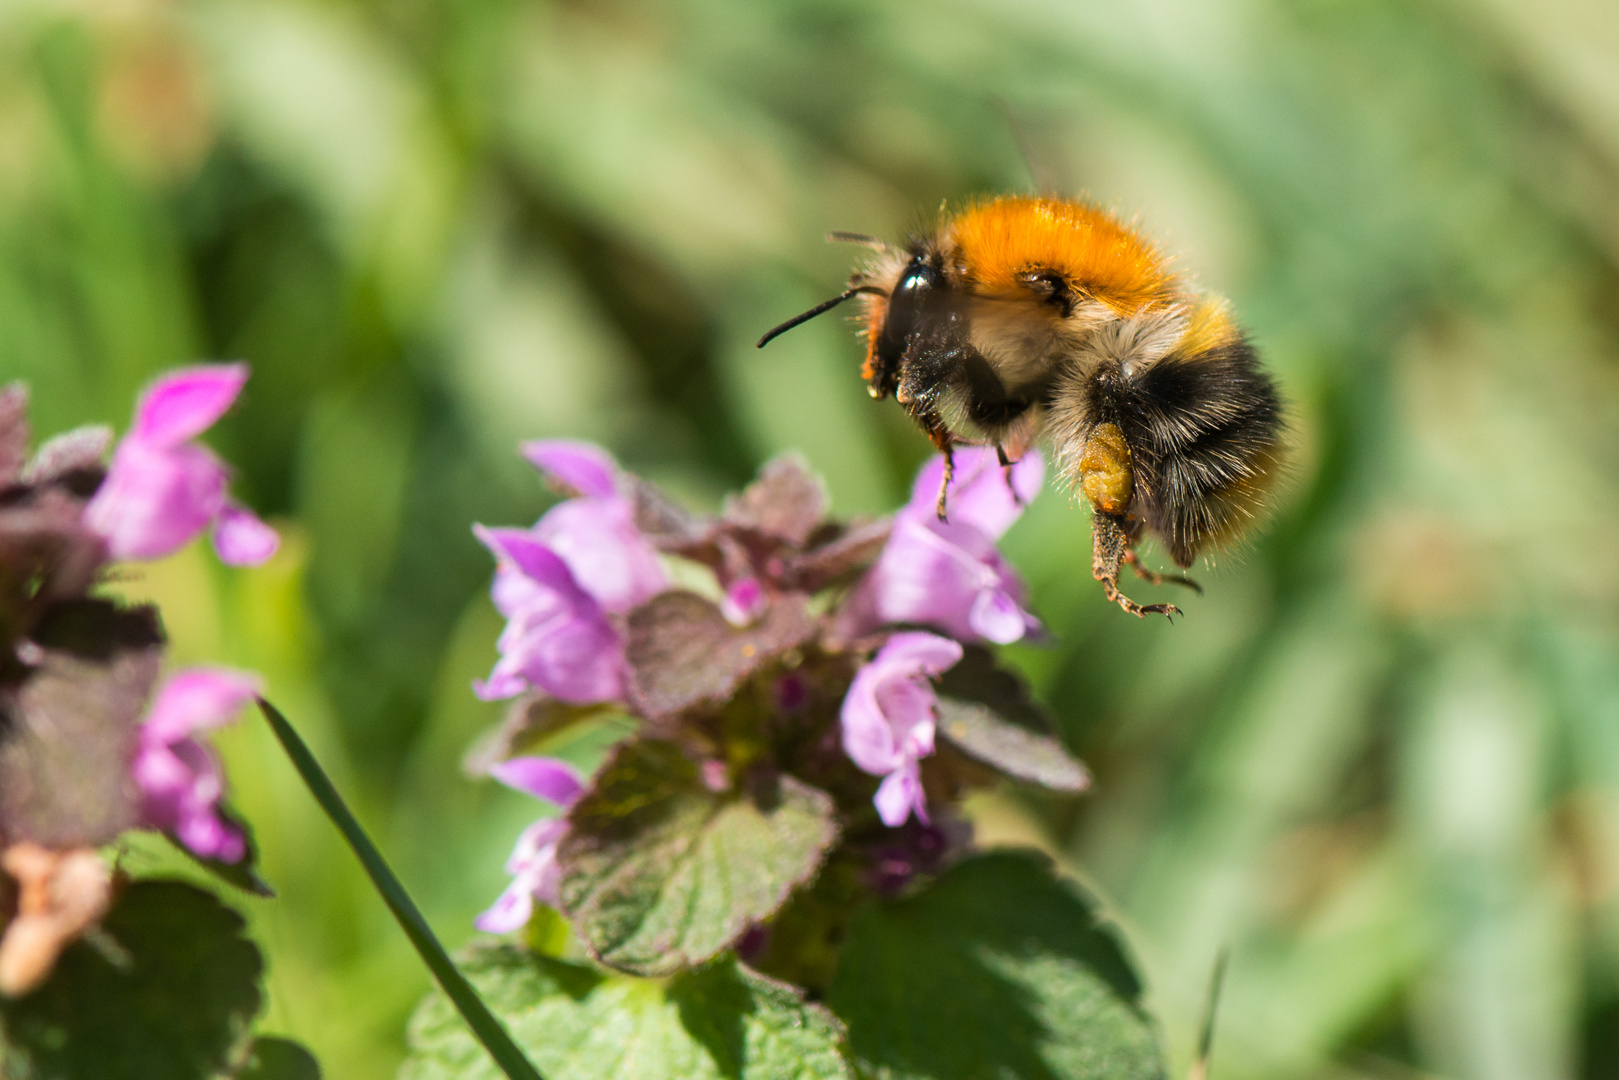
<point>1110,550</point>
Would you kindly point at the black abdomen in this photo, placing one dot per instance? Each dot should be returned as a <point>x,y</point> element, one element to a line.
<point>1205,438</point>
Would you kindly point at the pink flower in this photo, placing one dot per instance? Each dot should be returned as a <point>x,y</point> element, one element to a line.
<point>888,719</point>
<point>558,582</point>
<point>557,637</point>
<point>595,533</point>
<point>180,778</point>
<point>949,575</point>
<point>162,488</point>
<point>533,863</point>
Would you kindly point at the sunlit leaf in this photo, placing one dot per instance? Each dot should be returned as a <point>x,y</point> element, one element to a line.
<point>660,871</point>
<point>722,1021</point>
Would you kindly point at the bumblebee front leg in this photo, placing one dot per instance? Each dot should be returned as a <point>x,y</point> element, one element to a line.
<point>934,426</point>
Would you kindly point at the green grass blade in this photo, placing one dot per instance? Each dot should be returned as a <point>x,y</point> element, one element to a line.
<point>489,1031</point>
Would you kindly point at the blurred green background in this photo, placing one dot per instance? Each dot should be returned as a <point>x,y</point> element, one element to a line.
<point>1380,759</point>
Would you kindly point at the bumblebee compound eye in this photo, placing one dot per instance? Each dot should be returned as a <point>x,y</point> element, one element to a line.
<point>916,293</point>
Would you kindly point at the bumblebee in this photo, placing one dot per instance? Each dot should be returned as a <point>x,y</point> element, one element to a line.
<point>1022,318</point>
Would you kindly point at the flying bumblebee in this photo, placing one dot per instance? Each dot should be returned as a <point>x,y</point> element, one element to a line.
<point>1023,318</point>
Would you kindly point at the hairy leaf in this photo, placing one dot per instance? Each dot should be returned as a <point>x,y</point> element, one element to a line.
<point>13,433</point>
<point>660,873</point>
<point>73,458</point>
<point>533,719</point>
<point>723,1021</point>
<point>848,553</point>
<point>167,994</point>
<point>682,652</point>
<point>64,764</point>
<point>977,677</point>
<point>997,969</point>
<point>786,502</point>
<point>981,733</point>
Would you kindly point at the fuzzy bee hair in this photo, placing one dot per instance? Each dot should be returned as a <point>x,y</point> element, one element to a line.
<point>1022,317</point>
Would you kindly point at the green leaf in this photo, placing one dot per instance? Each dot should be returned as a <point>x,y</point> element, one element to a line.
<point>164,991</point>
<point>660,873</point>
<point>998,969</point>
<point>279,1059</point>
<point>721,1021</point>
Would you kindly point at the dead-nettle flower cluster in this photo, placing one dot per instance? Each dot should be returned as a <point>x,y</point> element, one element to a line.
<point>809,698</point>
<point>87,749</point>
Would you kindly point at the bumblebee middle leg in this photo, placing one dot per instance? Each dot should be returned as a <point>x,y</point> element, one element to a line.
<point>1152,577</point>
<point>1111,542</point>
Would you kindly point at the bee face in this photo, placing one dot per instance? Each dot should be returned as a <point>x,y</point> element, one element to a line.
<point>1028,318</point>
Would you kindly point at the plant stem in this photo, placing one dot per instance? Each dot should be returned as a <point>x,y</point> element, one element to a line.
<point>485,1027</point>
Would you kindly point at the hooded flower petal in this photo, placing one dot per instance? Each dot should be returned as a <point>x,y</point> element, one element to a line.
<point>533,863</point>
<point>183,404</point>
<point>888,717</point>
<point>161,489</point>
<point>545,778</point>
<point>948,575</point>
<point>595,534</point>
<point>980,494</point>
<point>585,468</point>
<point>557,638</point>
<point>180,778</point>
<point>241,539</point>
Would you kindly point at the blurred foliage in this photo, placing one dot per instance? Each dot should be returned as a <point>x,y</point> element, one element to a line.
<point>1380,758</point>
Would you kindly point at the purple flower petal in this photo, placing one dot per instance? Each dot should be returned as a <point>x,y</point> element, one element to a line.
<point>557,637</point>
<point>888,717</point>
<point>899,794</point>
<point>542,777</point>
<point>200,699</point>
<point>607,554</point>
<point>241,539</point>
<point>154,501</point>
<point>183,404</point>
<point>979,495</point>
<point>585,468</point>
<point>180,779</point>
<point>535,876</point>
<point>744,601</point>
<point>948,575</point>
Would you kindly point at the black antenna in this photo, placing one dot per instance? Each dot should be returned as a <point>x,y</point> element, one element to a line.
<point>838,236</point>
<point>818,309</point>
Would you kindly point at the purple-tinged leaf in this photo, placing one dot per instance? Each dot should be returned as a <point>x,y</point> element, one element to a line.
<point>683,652</point>
<point>530,720</point>
<point>660,872</point>
<point>850,553</point>
<point>786,502</point>
<point>81,451</point>
<point>668,525</point>
<point>981,733</point>
<point>13,433</point>
<point>65,762</point>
